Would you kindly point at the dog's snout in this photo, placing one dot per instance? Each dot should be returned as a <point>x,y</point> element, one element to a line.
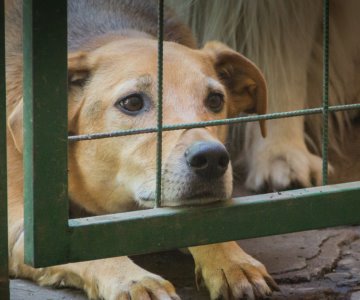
<point>207,159</point>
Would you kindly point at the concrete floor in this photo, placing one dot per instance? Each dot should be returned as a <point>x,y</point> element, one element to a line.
<point>311,265</point>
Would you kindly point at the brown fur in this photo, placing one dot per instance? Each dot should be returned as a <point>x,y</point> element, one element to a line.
<point>115,175</point>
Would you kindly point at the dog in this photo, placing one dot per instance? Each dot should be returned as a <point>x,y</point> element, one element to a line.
<point>284,39</point>
<point>112,86</point>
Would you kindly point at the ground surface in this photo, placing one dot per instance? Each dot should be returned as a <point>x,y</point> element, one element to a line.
<point>311,265</point>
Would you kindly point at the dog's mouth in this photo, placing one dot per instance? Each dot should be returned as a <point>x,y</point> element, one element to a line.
<point>188,199</point>
<point>182,186</point>
<point>199,195</point>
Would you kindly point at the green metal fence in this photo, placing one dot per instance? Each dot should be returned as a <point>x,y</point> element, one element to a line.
<point>4,278</point>
<point>60,240</point>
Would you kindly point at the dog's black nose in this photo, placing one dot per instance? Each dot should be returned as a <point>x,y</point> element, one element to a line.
<point>207,159</point>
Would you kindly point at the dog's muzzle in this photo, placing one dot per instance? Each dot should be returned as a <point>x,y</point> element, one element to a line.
<point>196,175</point>
<point>207,159</point>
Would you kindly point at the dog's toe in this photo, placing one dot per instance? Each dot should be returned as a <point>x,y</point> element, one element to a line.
<point>158,289</point>
<point>145,288</point>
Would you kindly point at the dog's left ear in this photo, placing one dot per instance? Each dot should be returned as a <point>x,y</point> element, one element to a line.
<point>78,72</point>
<point>78,68</point>
<point>245,83</point>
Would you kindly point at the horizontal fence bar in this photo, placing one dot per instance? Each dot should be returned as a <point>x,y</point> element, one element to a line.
<point>244,119</point>
<point>4,269</point>
<point>245,217</point>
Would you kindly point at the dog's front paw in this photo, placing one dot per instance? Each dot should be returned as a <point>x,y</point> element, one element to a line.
<point>229,273</point>
<point>120,279</point>
<point>276,167</point>
<point>150,287</point>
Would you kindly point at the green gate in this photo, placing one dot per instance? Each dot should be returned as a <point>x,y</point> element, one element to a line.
<point>4,278</point>
<point>60,240</point>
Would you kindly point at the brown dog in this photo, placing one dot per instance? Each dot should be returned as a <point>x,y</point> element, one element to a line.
<point>112,75</point>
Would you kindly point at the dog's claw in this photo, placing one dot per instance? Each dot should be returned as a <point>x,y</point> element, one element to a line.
<point>272,284</point>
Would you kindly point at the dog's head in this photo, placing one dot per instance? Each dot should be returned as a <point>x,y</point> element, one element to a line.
<point>114,87</point>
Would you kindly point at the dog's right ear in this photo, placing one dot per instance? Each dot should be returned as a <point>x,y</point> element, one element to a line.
<point>243,80</point>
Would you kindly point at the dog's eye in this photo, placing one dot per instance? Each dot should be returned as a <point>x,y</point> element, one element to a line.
<point>215,102</point>
<point>131,104</point>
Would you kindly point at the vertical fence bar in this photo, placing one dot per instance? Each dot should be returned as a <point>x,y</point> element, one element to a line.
<point>325,124</point>
<point>4,269</point>
<point>45,130</point>
<point>160,101</point>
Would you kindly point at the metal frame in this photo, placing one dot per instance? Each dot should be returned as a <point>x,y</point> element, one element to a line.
<point>51,238</point>
<point>45,130</point>
<point>325,112</point>
<point>4,273</point>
